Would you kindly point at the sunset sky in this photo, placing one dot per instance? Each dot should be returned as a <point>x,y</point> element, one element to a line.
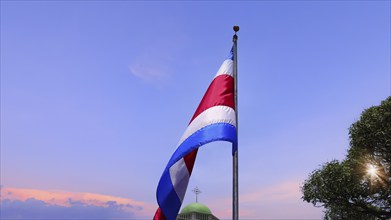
<point>95,96</point>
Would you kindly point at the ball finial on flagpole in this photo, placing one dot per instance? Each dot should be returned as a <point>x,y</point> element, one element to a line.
<point>236,29</point>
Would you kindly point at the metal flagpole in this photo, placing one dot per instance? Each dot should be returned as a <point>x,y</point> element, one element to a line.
<point>235,191</point>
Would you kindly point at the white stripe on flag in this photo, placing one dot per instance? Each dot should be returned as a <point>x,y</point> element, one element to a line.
<point>179,177</point>
<point>226,68</point>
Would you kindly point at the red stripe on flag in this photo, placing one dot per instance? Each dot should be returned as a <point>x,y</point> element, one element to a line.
<point>220,92</point>
<point>190,159</point>
<point>159,215</point>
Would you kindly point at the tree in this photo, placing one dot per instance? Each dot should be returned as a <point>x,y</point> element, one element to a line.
<point>359,187</point>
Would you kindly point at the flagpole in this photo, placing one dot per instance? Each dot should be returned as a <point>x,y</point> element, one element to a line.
<point>235,191</point>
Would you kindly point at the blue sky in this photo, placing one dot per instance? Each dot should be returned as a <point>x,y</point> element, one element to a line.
<point>96,94</point>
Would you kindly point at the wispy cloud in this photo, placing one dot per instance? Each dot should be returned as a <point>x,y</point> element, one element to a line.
<point>31,203</point>
<point>279,201</point>
<point>149,68</point>
<point>279,192</point>
<point>156,61</point>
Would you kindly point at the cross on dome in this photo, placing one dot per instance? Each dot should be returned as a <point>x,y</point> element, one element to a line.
<point>196,191</point>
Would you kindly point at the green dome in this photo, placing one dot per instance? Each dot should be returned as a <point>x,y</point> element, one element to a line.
<point>196,207</point>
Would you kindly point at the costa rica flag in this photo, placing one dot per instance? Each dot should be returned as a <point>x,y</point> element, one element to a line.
<point>214,120</point>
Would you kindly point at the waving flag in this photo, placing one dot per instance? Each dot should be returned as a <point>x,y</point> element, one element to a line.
<point>214,120</point>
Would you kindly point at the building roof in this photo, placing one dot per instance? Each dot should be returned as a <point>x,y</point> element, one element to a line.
<point>196,207</point>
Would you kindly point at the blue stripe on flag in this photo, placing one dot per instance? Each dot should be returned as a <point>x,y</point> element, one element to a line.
<point>167,198</point>
<point>207,134</point>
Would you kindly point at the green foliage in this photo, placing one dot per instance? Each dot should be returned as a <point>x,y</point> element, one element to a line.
<point>345,189</point>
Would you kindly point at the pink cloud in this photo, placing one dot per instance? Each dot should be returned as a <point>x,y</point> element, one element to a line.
<point>67,199</point>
